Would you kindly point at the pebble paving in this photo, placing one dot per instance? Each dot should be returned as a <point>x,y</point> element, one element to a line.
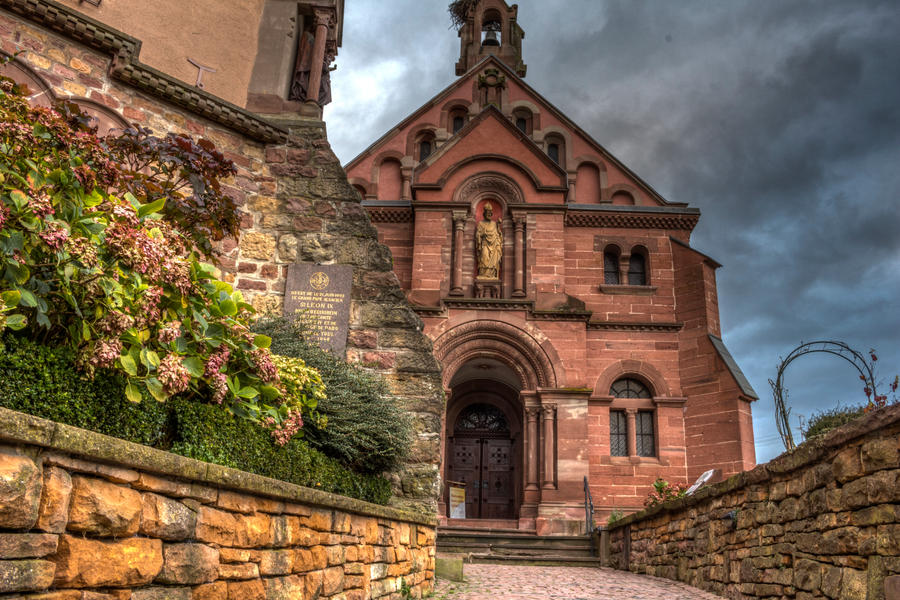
<point>502,582</point>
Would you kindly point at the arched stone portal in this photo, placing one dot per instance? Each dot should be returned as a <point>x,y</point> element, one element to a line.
<point>499,426</point>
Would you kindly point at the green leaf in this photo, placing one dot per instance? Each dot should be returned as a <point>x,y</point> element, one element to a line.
<point>27,298</point>
<point>228,307</point>
<point>19,199</point>
<point>11,298</point>
<point>156,389</point>
<point>85,331</point>
<point>133,393</point>
<point>247,392</point>
<point>128,364</point>
<point>149,358</point>
<point>269,392</point>
<point>16,322</point>
<point>194,366</point>
<point>153,207</point>
<point>262,341</point>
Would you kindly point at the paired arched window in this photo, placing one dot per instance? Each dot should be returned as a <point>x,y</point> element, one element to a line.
<point>621,431</point>
<point>638,266</point>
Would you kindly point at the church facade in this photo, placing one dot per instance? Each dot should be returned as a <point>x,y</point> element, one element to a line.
<point>577,327</point>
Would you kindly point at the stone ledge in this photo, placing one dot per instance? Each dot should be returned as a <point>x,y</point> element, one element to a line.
<point>804,455</point>
<point>21,428</point>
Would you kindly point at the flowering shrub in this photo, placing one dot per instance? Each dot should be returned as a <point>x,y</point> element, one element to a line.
<point>302,390</point>
<point>99,257</point>
<point>663,491</point>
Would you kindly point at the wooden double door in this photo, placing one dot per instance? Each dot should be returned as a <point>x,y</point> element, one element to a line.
<point>484,463</point>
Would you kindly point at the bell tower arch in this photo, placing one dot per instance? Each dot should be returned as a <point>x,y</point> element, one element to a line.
<point>487,28</point>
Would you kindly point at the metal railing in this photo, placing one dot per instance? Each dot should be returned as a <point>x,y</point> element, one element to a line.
<point>589,514</point>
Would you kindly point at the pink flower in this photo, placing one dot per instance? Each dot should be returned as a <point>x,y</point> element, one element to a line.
<point>288,428</point>
<point>169,332</point>
<point>114,323</point>
<point>216,361</point>
<point>55,236</point>
<point>267,370</point>
<point>106,352</point>
<point>173,375</point>
<point>219,386</point>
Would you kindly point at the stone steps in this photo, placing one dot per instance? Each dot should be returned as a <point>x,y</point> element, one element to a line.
<point>511,546</point>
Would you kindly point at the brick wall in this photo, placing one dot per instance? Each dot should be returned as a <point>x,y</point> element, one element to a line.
<point>821,522</point>
<point>86,516</point>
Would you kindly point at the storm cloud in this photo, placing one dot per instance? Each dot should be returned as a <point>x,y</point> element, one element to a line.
<point>779,120</point>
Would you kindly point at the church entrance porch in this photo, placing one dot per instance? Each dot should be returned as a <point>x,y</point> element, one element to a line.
<point>481,459</point>
<point>484,442</point>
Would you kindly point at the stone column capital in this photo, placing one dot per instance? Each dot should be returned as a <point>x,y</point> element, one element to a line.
<point>459,218</point>
<point>532,412</point>
<point>324,16</point>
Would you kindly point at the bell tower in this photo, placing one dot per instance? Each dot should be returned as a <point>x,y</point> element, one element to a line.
<point>488,27</point>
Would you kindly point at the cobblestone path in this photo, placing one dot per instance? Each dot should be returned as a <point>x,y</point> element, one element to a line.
<point>502,582</point>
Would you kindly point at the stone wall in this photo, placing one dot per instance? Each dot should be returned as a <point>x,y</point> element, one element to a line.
<point>821,522</point>
<point>296,201</point>
<point>86,516</point>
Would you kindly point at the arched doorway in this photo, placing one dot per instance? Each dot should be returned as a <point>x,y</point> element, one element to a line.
<point>484,439</point>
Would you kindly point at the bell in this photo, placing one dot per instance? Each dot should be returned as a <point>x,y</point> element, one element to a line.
<point>490,39</point>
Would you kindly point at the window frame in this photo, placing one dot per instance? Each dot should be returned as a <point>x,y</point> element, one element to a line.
<point>631,394</point>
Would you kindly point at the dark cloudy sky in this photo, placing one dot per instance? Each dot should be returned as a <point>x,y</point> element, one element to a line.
<point>778,119</point>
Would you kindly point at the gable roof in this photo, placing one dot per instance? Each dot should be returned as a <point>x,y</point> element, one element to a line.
<point>603,152</point>
<point>493,114</point>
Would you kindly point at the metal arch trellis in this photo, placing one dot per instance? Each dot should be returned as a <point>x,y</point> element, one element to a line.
<point>841,349</point>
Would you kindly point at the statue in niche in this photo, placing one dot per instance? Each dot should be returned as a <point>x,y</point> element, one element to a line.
<point>488,245</point>
<point>300,83</point>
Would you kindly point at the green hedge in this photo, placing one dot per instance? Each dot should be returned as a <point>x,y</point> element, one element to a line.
<point>43,381</point>
<point>367,429</point>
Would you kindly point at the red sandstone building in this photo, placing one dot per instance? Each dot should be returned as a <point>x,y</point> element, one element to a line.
<point>596,349</point>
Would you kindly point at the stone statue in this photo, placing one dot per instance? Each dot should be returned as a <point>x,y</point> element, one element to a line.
<point>488,246</point>
<point>300,83</point>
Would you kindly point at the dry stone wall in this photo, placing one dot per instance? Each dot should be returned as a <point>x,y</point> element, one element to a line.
<point>296,202</point>
<point>821,522</point>
<point>88,517</point>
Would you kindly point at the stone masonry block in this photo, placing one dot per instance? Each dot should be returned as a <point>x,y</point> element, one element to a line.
<point>104,508</point>
<point>20,491</point>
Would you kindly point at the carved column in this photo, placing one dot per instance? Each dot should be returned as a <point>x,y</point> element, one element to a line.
<point>459,225</point>
<point>323,19</point>
<point>531,458</point>
<point>519,252</point>
<point>548,414</point>
<point>631,419</point>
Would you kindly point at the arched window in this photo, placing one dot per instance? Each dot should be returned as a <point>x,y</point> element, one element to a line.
<point>523,119</point>
<point>424,149</point>
<point>637,268</point>
<point>611,266</point>
<point>456,119</point>
<point>629,388</point>
<point>458,122</point>
<point>491,28</point>
<point>644,429</point>
<point>553,152</point>
<point>556,150</point>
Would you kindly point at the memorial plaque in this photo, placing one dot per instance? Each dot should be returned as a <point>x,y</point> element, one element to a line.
<point>319,297</point>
